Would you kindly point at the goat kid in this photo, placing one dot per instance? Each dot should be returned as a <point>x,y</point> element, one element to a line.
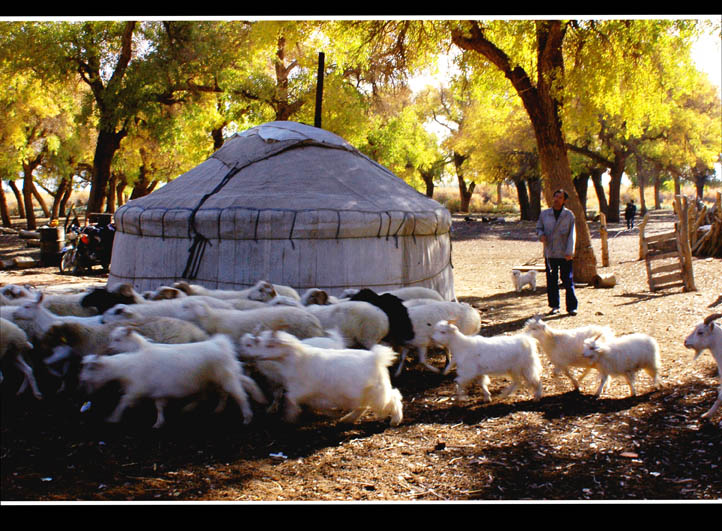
<point>476,357</point>
<point>324,378</point>
<point>625,356</point>
<point>565,347</point>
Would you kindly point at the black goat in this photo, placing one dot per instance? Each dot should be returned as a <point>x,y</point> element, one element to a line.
<point>102,299</point>
<point>400,328</point>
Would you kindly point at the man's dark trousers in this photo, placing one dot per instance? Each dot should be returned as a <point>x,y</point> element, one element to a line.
<point>554,268</point>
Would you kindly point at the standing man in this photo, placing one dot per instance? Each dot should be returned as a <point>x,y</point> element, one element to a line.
<point>556,231</point>
<point>629,214</point>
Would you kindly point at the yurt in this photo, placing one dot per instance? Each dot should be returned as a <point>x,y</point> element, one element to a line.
<point>288,203</point>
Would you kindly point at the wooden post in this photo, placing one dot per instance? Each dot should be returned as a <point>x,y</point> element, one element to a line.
<point>682,208</point>
<point>603,234</point>
<point>642,241</point>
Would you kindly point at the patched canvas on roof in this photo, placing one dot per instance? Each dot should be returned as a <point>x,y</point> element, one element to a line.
<point>291,204</point>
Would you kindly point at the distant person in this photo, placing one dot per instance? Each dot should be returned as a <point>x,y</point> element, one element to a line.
<point>629,214</point>
<point>556,231</point>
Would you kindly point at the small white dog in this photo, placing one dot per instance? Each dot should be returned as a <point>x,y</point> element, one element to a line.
<point>523,279</point>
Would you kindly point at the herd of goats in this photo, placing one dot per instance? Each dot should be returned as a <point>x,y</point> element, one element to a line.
<point>273,346</point>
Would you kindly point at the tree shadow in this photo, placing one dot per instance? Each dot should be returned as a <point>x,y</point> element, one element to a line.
<point>642,297</point>
<point>506,303</point>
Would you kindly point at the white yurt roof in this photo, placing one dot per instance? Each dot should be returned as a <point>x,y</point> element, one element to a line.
<point>289,203</point>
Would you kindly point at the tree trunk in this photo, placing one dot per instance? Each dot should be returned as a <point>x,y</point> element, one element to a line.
<point>41,201</point>
<point>428,177</point>
<point>465,192</point>
<point>18,199</point>
<point>642,183</point>
<point>677,184</point>
<point>543,109</point>
<point>535,193</point>
<point>29,191</point>
<point>64,200</point>
<point>657,191</point>
<point>699,181</point>
<point>599,189</point>
<point>523,198</point>
<point>108,144</point>
<point>110,194</point>
<point>119,187</point>
<point>60,194</point>
<point>28,199</point>
<point>581,183</point>
<point>4,210</point>
<point>616,172</point>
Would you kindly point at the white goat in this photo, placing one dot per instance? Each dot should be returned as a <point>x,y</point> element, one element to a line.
<point>235,323</point>
<point>162,372</point>
<point>708,335</point>
<point>14,342</point>
<point>425,316</point>
<point>160,308</point>
<point>415,292</point>
<point>476,357</point>
<point>565,348</point>
<point>325,379</point>
<point>360,323</point>
<point>284,300</point>
<point>67,304</point>
<point>523,279</point>
<point>13,292</point>
<point>271,370</point>
<point>35,319</point>
<point>262,291</point>
<point>625,356</point>
<point>81,339</point>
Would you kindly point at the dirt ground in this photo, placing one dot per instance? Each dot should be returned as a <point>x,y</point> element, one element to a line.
<point>569,446</point>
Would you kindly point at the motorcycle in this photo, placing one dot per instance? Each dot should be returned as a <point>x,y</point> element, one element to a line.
<point>86,246</point>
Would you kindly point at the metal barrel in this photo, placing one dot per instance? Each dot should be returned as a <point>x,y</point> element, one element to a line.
<point>52,240</point>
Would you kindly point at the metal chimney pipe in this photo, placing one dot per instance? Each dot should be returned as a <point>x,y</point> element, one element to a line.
<point>319,89</point>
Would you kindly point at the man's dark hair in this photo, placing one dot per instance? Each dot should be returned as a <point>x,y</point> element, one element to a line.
<point>562,191</point>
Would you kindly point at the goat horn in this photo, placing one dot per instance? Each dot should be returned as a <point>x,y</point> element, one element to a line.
<point>712,317</point>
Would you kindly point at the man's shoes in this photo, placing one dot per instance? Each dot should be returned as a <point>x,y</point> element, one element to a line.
<point>572,312</point>
<point>554,311</point>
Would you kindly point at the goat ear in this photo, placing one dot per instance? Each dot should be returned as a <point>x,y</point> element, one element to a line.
<point>39,298</point>
<point>126,290</point>
<point>183,286</point>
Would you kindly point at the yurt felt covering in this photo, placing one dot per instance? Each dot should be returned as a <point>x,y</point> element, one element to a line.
<point>291,204</point>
